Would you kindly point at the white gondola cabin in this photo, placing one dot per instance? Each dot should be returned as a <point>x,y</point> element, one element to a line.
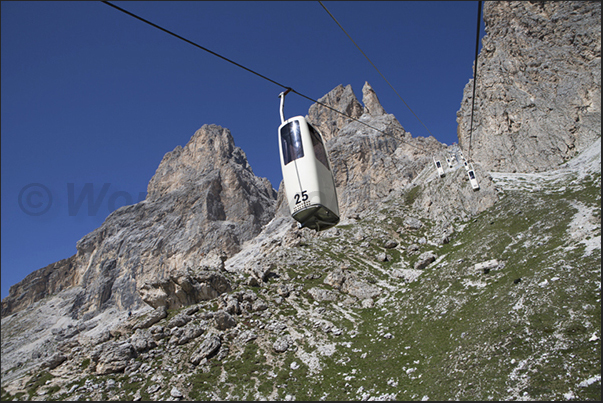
<point>307,173</point>
<point>472,178</point>
<point>439,167</point>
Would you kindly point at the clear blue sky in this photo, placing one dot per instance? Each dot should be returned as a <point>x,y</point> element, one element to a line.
<point>93,96</point>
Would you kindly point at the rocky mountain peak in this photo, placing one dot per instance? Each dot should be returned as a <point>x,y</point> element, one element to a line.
<point>203,202</point>
<point>372,106</point>
<point>329,122</point>
<point>209,148</point>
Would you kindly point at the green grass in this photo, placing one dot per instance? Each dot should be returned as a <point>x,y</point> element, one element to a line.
<point>37,381</point>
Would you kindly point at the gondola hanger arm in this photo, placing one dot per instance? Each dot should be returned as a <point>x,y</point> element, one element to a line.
<point>282,97</point>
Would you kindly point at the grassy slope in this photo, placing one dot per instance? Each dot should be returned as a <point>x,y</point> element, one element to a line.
<point>453,333</point>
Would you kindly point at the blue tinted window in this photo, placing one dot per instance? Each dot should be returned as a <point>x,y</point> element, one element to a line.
<point>291,142</point>
<point>319,147</point>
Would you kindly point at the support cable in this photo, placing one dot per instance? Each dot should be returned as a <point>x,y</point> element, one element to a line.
<point>367,58</point>
<point>479,17</point>
<point>289,89</point>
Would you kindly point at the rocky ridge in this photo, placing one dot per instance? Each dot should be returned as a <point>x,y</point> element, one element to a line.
<point>203,202</point>
<point>478,309</point>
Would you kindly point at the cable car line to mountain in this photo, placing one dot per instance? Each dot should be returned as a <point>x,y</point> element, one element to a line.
<point>479,17</point>
<point>373,64</point>
<point>193,43</point>
<point>289,89</point>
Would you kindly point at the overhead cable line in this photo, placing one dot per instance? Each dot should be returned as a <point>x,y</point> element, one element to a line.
<point>367,58</point>
<point>479,17</point>
<point>289,89</point>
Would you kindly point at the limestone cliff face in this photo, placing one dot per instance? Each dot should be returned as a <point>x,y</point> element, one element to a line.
<point>203,202</point>
<point>538,94</point>
<point>41,283</point>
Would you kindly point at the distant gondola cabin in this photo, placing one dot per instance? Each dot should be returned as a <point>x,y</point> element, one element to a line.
<point>440,169</point>
<point>473,179</point>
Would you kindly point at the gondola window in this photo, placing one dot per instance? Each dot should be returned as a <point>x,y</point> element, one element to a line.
<point>291,142</point>
<point>319,147</point>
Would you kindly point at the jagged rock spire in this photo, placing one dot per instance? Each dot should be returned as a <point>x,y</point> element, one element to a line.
<point>372,106</point>
<point>330,122</point>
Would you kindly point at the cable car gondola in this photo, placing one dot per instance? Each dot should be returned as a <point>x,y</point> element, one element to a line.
<point>307,172</point>
<point>472,178</point>
<point>439,167</point>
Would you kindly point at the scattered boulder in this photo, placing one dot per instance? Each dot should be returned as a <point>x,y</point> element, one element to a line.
<point>383,257</point>
<point>179,320</point>
<point>249,295</point>
<point>276,327</point>
<point>229,303</point>
<point>190,311</point>
<point>359,289</point>
<point>368,303</point>
<point>390,244</point>
<point>190,332</point>
<point>283,290</point>
<point>259,305</point>
<point>486,266</point>
<point>152,318</point>
<point>247,335</point>
<point>175,393</point>
<point>112,356</point>
<point>224,321</point>
<point>207,349</point>
<point>335,278</point>
<point>55,360</point>
<point>313,276</point>
<point>158,332</point>
<point>281,344</point>
<point>252,281</point>
<point>349,283</point>
<point>142,340</point>
<point>412,223</point>
<point>293,238</point>
<point>320,294</point>
<point>260,271</point>
<point>424,260</point>
<point>412,249</point>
